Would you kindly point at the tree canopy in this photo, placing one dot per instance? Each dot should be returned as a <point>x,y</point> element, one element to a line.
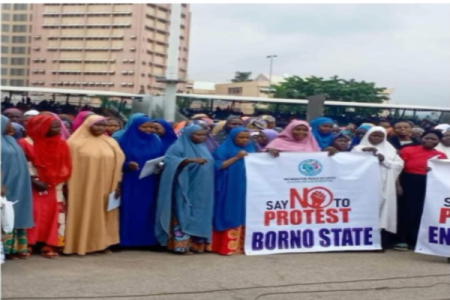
<point>242,77</point>
<point>336,89</point>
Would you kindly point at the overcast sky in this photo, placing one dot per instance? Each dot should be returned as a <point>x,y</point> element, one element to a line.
<point>401,46</point>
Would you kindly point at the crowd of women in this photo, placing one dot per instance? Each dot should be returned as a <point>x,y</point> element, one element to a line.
<point>60,171</point>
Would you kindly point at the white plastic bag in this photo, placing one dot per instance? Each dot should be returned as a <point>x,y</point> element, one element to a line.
<point>7,215</point>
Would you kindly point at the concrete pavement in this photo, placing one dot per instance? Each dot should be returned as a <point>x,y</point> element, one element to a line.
<point>162,276</point>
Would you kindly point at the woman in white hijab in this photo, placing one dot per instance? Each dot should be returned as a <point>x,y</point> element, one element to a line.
<point>443,127</point>
<point>444,145</point>
<point>391,166</point>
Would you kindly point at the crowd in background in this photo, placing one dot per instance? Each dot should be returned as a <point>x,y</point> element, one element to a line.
<point>62,170</point>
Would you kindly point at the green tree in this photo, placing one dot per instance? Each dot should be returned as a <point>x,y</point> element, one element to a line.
<point>336,89</point>
<point>242,77</point>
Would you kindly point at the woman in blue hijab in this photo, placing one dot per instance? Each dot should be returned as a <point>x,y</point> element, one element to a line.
<point>118,134</point>
<point>17,182</point>
<point>359,134</point>
<point>138,207</point>
<point>186,194</point>
<point>339,143</point>
<point>322,128</point>
<point>166,133</point>
<point>19,131</point>
<point>230,192</point>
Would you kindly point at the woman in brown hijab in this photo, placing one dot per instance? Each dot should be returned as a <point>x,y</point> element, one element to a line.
<point>97,170</point>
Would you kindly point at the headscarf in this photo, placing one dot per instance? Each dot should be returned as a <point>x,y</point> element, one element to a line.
<point>18,131</point>
<point>223,133</point>
<point>384,147</point>
<point>285,142</point>
<point>210,143</point>
<point>271,134</point>
<point>31,112</point>
<point>80,119</point>
<point>16,179</point>
<point>442,127</point>
<point>342,134</point>
<point>13,109</point>
<point>208,121</point>
<point>65,134</point>
<point>269,119</point>
<point>356,140</point>
<point>444,149</point>
<point>116,135</point>
<point>169,137</point>
<point>322,139</point>
<point>83,140</point>
<point>257,123</point>
<point>189,191</point>
<point>199,116</point>
<point>66,117</point>
<point>139,146</point>
<point>230,184</point>
<point>51,154</point>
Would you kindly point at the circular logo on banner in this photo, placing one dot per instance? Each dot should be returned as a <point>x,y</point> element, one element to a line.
<point>310,167</point>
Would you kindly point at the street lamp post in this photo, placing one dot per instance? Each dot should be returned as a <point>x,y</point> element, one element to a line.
<point>271,57</point>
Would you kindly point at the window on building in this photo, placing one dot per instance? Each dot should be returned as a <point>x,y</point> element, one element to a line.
<point>17,61</point>
<point>20,6</point>
<point>6,6</point>
<point>20,17</point>
<point>4,82</point>
<point>5,39</point>
<point>6,17</point>
<point>18,50</point>
<point>17,72</point>
<point>5,61</point>
<point>19,39</point>
<point>17,82</point>
<point>5,49</point>
<point>4,71</point>
<point>235,91</point>
<point>19,28</point>
<point>5,28</point>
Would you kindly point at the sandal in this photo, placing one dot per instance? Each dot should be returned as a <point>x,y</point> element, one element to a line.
<point>49,254</point>
<point>401,247</point>
<point>23,255</point>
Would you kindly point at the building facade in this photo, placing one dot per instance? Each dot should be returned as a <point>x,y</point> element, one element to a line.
<point>101,46</point>
<point>16,30</point>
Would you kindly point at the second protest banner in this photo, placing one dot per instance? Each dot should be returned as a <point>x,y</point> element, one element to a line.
<point>434,233</point>
<point>310,202</point>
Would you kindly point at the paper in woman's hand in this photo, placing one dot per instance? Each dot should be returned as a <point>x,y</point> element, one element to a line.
<point>150,167</point>
<point>113,203</point>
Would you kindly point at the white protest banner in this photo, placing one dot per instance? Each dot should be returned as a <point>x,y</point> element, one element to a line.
<point>310,202</point>
<point>434,233</point>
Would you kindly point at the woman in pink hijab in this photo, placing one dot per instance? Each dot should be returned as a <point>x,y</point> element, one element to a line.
<point>80,119</point>
<point>296,137</point>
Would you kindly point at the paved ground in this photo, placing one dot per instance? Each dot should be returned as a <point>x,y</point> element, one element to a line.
<point>133,275</point>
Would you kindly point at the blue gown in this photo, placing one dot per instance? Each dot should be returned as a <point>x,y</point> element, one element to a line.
<point>138,207</point>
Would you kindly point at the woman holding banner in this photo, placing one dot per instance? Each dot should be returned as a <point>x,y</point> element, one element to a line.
<point>391,165</point>
<point>230,190</point>
<point>444,145</point>
<point>296,137</point>
<point>412,187</point>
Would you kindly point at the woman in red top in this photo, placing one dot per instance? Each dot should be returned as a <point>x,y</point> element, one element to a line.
<point>50,166</point>
<point>412,187</point>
